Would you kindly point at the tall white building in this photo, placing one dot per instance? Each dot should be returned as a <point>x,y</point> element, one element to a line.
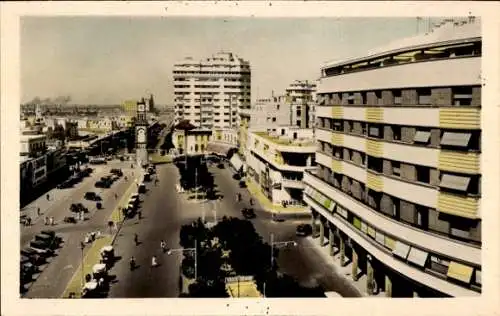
<point>210,93</point>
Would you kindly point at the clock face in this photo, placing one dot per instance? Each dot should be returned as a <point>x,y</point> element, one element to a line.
<point>141,135</point>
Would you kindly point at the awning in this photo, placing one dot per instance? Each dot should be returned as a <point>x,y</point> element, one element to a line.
<point>401,250</point>
<point>364,227</point>
<point>219,148</point>
<point>422,137</point>
<point>357,223</point>
<point>455,182</point>
<point>342,211</point>
<point>236,162</point>
<point>389,242</point>
<point>459,272</point>
<point>418,257</point>
<point>456,139</point>
<point>329,204</point>
<point>371,231</point>
<point>379,237</point>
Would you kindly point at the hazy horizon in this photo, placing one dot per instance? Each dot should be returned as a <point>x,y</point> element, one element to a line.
<point>106,60</point>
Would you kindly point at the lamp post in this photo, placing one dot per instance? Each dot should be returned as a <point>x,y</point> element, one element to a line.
<point>195,249</point>
<point>82,247</point>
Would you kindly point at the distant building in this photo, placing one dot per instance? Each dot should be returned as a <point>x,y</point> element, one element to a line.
<point>130,108</point>
<point>33,145</point>
<point>210,93</point>
<point>301,100</point>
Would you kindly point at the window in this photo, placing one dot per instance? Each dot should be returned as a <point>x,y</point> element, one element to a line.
<point>374,131</point>
<point>454,182</point>
<point>396,168</point>
<point>455,139</point>
<point>397,97</point>
<point>422,137</point>
<point>396,132</point>
<point>298,122</point>
<point>274,119</point>
<point>439,265</point>
<point>423,174</point>
<point>424,96</point>
<point>375,164</point>
<point>422,214</point>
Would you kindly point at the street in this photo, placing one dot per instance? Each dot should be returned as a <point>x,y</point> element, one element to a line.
<point>55,275</point>
<point>165,211</point>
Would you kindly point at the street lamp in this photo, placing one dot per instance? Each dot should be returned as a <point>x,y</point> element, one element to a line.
<point>82,247</point>
<point>279,243</point>
<point>195,249</point>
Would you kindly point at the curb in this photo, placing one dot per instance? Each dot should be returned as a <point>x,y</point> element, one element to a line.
<point>120,224</point>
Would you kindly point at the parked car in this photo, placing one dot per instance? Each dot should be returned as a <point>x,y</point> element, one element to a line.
<point>41,245</point>
<point>248,213</point>
<point>117,172</point>
<point>243,184</point>
<point>92,196</point>
<point>70,219</point>
<point>142,188</point>
<point>78,207</point>
<point>49,241</point>
<point>40,251</point>
<point>303,230</point>
<point>33,256</point>
<point>237,176</point>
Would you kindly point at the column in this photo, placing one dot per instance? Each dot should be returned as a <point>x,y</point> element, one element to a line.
<point>388,286</point>
<point>313,222</point>
<point>354,264</point>
<point>330,240</point>
<point>370,278</point>
<point>321,233</point>
<point>342,252</point>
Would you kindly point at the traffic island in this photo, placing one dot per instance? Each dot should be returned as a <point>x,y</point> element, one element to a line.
<point>158,159</point>
<point>92,257</point>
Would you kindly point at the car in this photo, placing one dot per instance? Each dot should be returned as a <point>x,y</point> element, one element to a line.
<point>78,207</point>
<point>42,245</point>
<point>116,172</point>
<point>41,252</point>
<point>277,218</point>
<point>142,188</point>
<point>243,184</point>
<point>248,213</point>
<point>92,196</point>
<point>220,166</point>
<point>303,230</point>
<point>28,255</point>
<point>47,241</point>
<point>236,176</point>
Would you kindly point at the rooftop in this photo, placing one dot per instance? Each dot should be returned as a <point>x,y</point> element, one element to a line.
<point>446,31</point>
<point>304,142</point>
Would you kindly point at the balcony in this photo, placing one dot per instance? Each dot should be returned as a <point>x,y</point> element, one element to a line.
<point>294,184</point>
<point>426,241</point>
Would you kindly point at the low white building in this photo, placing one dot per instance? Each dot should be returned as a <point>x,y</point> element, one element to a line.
<point>197,141</point>
<point>277,160</point>
<point>33,144</point>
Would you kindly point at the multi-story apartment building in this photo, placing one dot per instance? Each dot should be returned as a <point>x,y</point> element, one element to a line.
<point>277,160</point>
<point>210,93</point>
<point>301,100</point>
<point>398,186</point>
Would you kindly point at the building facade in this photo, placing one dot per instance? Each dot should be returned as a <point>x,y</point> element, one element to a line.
<point>301,100</point>
<point>197,141</point>
<point>398,186</point>
<point>277,160</point>
<point>210,93</point>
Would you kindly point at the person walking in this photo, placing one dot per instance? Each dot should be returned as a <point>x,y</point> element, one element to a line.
<point>46,220</point>
<point>136,239</point>
<point>51,220</point>
<point>48,197</point>
<point>38,213</point>
<point>154,262</point>
<point>163,246</point>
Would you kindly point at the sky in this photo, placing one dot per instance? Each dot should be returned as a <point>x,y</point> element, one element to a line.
<point>106,60</point>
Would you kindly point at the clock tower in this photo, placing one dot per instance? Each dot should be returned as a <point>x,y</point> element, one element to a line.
<point>141,132</point>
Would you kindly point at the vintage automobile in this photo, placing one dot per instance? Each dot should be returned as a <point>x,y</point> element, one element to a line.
<point>107,255</point>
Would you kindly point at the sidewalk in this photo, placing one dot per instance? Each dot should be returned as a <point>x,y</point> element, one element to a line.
<point>346,271</point>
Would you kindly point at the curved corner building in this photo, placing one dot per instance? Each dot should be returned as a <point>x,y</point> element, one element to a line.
<point>397,191</point>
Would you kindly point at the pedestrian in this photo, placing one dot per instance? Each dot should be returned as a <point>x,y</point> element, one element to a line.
<point>136,239</point>
<point>154,262</point>
<point>51,221</point>
<point>163,246</point>
<point>116,196</point>
<point>48,197</point>
<point>46,220</point>
<point>38,212</point>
